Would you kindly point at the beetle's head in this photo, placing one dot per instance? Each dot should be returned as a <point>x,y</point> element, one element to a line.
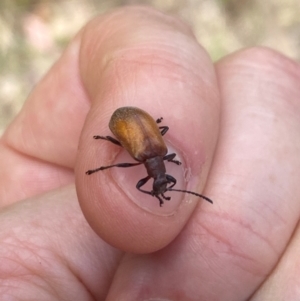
<point>159,185</point>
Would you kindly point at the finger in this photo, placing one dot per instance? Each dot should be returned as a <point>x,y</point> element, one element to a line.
<point>22,176</point>
<point>49,125</point>
<point>142,58</point>
<point>38,149</point>
<point>49,252</point>
<point>283,283</point>
<point>260,207</point>
<point>227,250</point>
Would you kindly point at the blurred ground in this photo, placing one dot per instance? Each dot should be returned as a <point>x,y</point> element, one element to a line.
<point>33,33</point>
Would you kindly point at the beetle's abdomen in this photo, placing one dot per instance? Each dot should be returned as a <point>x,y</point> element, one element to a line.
<point>138,133</point>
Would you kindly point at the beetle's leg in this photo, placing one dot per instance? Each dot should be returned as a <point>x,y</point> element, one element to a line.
<point>159,120</point>
<point>160,200</point>
<point>166,197</point>
<point>142,182</point>
<point>108,138</point>
<point>115,165</point>
<point>163,129</point>
<point>170,158</point>
<point>171,180</point>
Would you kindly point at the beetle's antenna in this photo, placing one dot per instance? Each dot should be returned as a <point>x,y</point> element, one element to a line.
<point>194,193</point>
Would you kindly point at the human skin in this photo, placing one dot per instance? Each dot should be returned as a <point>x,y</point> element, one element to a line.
<point>235,125</point>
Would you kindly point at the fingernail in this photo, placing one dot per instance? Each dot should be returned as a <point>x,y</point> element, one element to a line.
<point>127,179</point>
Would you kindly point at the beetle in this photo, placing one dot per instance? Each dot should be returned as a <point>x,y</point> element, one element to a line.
<point>140,135</point>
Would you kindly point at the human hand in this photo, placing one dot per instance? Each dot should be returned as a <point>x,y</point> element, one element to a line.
<point>234,125</point>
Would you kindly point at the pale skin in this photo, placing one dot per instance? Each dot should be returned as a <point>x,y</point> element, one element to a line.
<point>236,125</point>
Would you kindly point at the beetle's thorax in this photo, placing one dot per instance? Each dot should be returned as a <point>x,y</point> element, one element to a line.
<point>156,169</point>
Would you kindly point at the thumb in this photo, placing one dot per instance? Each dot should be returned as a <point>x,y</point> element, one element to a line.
<point>138,57</point>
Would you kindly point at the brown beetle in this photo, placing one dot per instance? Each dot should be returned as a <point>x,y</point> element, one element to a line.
<point>139,134</point>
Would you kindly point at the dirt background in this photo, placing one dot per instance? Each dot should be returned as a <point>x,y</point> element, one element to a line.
<point>34,33</point>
